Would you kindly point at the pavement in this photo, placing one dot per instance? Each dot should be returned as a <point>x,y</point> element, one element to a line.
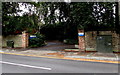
<point>30,64</point>
<point>56,49</point>
<point>84,56</point>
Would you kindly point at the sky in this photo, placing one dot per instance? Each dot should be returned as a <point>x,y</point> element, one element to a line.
<point>22,7</point>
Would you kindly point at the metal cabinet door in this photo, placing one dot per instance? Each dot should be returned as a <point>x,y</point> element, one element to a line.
<point>104,44</point>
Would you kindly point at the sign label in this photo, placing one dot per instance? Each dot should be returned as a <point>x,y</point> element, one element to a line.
<point>80,34</point>
<point>32,36</point>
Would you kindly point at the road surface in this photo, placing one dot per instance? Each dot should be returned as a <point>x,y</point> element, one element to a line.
<point>27,64</point>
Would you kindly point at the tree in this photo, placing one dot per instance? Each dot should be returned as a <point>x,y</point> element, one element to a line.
<point>93,15</point>
<point>8,11</point>
<point>75,15</point>
<point>12,23</point>
<point>80,15</point>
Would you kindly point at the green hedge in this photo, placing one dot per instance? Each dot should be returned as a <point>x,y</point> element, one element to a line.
<point>38,41</point>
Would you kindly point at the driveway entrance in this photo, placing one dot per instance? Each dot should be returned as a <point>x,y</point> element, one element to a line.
<point>55,45</point>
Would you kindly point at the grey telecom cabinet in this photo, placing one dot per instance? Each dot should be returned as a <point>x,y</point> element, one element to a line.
<point>104,43</point>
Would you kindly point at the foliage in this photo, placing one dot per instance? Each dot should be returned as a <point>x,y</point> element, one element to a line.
<point>38,41</point>
<point>53,31</point>
<point>84,15</point>
<point>8,8</point>
<point>28,23</point>
<point>93,15</point>
<point>74,15</point>
<point>79,15</point>
<point>20,23</point>
<point>12,23</point>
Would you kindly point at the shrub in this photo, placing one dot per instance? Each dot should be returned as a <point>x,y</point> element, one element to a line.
<point>38,41</point>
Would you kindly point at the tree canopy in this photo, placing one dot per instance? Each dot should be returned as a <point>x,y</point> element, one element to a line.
<point>71,16</point>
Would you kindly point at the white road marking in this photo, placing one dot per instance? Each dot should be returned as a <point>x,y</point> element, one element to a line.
<point>25,65</point>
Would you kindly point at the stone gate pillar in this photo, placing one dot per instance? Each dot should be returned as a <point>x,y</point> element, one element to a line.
<point>24,39</point>
<point>81,39</point>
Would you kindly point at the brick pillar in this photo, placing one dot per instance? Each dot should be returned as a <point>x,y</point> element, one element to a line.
<point>81,39</point>
<point>24,39</point>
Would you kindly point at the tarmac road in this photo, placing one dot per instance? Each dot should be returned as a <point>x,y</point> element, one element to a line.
<point>29,64</point>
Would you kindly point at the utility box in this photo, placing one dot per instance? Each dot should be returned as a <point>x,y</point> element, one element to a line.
<point>10,44</point>
<point>104,43</point>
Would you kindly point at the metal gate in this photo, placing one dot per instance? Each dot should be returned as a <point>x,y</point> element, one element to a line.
<point>104,43</point>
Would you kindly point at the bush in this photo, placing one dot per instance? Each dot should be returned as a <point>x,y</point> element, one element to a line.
<point>70,41</point>
<point>38,41</point>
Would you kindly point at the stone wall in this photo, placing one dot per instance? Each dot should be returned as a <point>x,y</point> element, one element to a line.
<point>90,40</point>
<point>116,41</point>
<point>20,40</point>
<point>16,38</point>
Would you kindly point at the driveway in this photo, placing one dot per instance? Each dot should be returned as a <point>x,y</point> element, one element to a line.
<point>55,46</point>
